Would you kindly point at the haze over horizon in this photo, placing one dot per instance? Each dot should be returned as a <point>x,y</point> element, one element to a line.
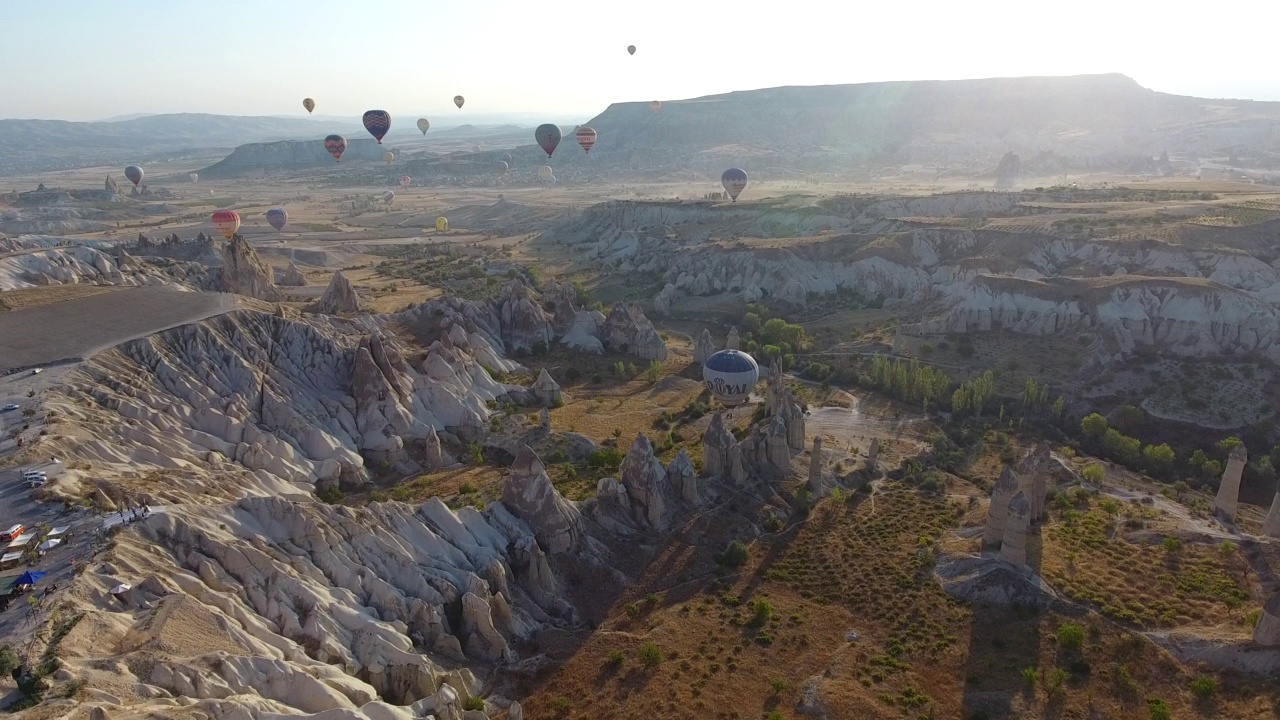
<point>82,60</point>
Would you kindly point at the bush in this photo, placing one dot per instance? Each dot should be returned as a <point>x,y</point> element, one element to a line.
<point>1070,637</point>
<point>650,655</point>
<point>1159,710</point>
<point>572,373</point>
<point>1171,544</point>
<point>8,659</point>
<point>615,658</point>
<point>473,703</point>
<point>331,494</point>
<point>762,612</point>
<point>1094,473</point>
<point>734,555</point>
<point>1030,676</point>
<point>777,685</point>
<point>1204,686</point>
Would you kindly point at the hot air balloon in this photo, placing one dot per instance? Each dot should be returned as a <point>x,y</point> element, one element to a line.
<point>389,157</point>
<point>227,222</point>
<point>277,217</point>
<point>134,173</point>
<point>733,180</point>
<point>309,104</point>
<point>656,105</point>
<point>388,196</point>
<point>442,224</point>
<point>458,100</point>
<point>730,375</point>
<point>545,172</point>
<point>194,177</point>
<point>476,148</point>
<point>500,167</point>
<point>377,122</point>
<point>586,138</point>
<point>424,125</point>
<point>507,157</point>
<point>336,145</point>
<point>548,136</point>
<point>631,49</point>
<point>405,180</point>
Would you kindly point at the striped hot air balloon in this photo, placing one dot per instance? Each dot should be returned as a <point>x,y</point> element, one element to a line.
<point>227,222</point>
<point>308,104</point>
<point>377,122</point>
<point>405,180</point>
<point>277,218</point>
<point>586,138</point>
<point>336,145</point>
<point>734,181</point>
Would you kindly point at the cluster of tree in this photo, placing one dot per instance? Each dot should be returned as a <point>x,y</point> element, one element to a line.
<point>772,338</point>
<point>1161,460</point>
<point>910,381</point>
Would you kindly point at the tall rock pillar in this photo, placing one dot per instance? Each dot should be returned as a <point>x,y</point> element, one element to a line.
<point>1229,491</point>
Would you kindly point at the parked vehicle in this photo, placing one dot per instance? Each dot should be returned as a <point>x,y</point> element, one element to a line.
<point>11,533</point>
<point>9,407</point>
<point>37,371</point>
<point>35,482</point>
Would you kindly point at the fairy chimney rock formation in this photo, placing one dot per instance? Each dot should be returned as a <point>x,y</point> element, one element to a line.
<point>645,480</point>
<point>716,442</point>
<point>1013,549</point>
<point>704,347</point>
<point>683,478</point>
<point>544,420</point>
<point>292,276</point>
<point>1271,527</point>
<point>545,391</point>
<point>793,416</point>
<point>1267,632</point>
<point>733,342</point>
<point>778,450</point>
<point>243,273</point>
<point>339,297</point>
<point>1229,491</point>
<point>1032,480</point>
<point>524,324</point>
<point>530,496</point>
<point>998,513</point>
<point>434,454</point>
<point>816,486</point>
<point>627,330</point>
<point>873,453</point>
<point>737,466</point>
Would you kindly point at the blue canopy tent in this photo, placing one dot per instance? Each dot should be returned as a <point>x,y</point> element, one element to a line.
<point>30,577</point>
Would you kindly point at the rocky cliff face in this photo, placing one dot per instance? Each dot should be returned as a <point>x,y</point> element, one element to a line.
<point>275,406</point>
<point>243,273</point>
<point>529,495</point>
<point>85,265</point>
<point>291,277</point>
<point>627,330</point>
<point>289,155</point>
<point>339,297</point>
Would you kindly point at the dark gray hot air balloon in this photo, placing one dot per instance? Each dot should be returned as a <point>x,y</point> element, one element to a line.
<point>548,137</point>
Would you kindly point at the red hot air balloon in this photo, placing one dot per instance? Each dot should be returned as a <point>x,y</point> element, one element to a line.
<point>227,222</point>
<point>377,122</point>
<point>548,137</point>
<point>586,138</point>
<point>656,105</point>
<point>405,180</point>
<point>336,145</point>
<point>134,173</point>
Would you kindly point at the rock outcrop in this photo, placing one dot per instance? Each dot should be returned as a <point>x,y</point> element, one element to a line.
<point>1267,632</point>
<point>1228,497</point>
<point>817,487</point>
<point>998,512</point>
<point>716,442</point>
<point>627,330</point>
<point>682,476</point>
<point>1013,547</point>
<point>339,297</point>
<point>291,277</point>
<point>704,347</point>
<point>545,391</point>
<point>733,341</point>
<point>243,273</point>
<point>524,323</point>
<point>530,496</point>
<point>645,481</point>
<point>1271,527</point>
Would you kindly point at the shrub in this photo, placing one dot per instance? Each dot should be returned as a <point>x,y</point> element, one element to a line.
<point>1030,676</point>
<point>762,611</point>
<point>1070,637</point>
<point>1171,544</point>
<point>615,658</point>
<point>777,685</point>
<point>8,659</point>
<point>1159,710</point>
<point>1054,680</point>
<point>331,494</point>
<point>467,488</point>
<point>1204,686</point>
<point>650,655</point>
<point>1094,473</point>
<point>653,372</point>
<point>734,555</point>
<point>572,373</point>
<point>473,703</point>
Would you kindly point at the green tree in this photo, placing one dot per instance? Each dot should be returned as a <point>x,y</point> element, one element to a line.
<point>1094,473</point>
<point>1093,426</point>
<point>1059,406</point>
<point>1159,458</point>
<point>1128,418</point>
<point>651,655</point>
<point>1226,445</point>
<point>1124,448</point>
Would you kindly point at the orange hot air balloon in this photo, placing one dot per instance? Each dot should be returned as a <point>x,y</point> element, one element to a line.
<point>227,222</point>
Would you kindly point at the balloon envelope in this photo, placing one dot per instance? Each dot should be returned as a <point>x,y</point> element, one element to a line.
<point>442,224</point>
<point>405,180</point>
<point>458,100</point>
<point>278,218</point>
<point>548,137</point>
<point>424,125</point>
<point>631,49</point>
<point>195,177</point>
<point>730,375</point>
<point>544,172</point>
<point>389,157</point>
<point>501,167</point>
<point>227,222</point>
<point>309,104</point>
<point>586,138</point>
<point>507,157</point>
<point>733,180</point>
<point>656,105</point>
<point>388,196</point>
<point>377,122</point>
<point>336,145</point>
<point>134,173</point>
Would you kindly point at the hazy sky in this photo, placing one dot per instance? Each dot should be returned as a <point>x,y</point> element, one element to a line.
<point>91,59</point>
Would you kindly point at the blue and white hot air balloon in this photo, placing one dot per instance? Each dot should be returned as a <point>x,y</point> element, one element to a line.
<point>730,375</point>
